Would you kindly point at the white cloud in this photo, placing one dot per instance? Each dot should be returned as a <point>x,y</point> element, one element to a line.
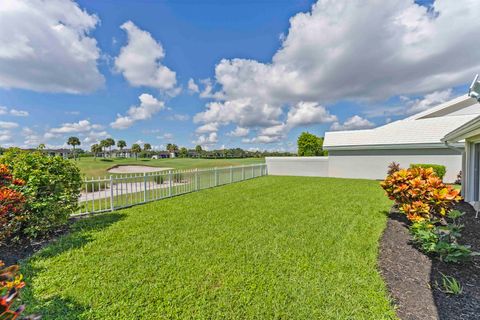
<point>166,136</point>
<point>349,50</point>
<point>19,113</point>
<point>74,127</point>
<point>8,125</point>
<point>207,139</point>
<point>354,123</point>
<point>239,132</point>
<point>13,112</point>
<point>149,106</point>
<point>93,137</point>
<point>428,101</point>
<point>308,113</point>
<point>46,47</point>
<point>140,61</point>
<point>192,86</point>
<point>179,117</point>
<point>208,127</point>
<point>5,137</point>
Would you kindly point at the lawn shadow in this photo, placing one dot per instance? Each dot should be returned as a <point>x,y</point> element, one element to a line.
<point>55,307</point>
<point>79,233</point>
<point>106,160</point>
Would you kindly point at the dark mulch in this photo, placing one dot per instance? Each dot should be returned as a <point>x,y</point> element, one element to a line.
<point>412,277</point>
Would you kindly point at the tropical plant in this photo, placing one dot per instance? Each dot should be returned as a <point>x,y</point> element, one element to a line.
<point>11,282</point>
<point>52,187</point>
<point>420,193</point>
<point>12,204</point>
<point>438,169</point>
<point>121,144</point>
<point>450,285</point>
<point>73,141</point>
<point>442,239</point>
<point>309,145</point>
<point>393,167</point>
<point>136,149</point>
<point>147,147</point>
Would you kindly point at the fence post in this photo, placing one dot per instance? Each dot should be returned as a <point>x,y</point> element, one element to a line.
<point>231,174</point>
<point>169,183</point>
<point>111,194</point>
<point>243,172</point>
<point>253,171</point>
<point>216,177</point>
<point>144,187</point>
<point>197,182</point>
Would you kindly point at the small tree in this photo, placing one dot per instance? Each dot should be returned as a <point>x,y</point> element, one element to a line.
<point>147,147</point>
<point>41,146</point>
<point>309,145</point>
<point>198,150</point>
<point>95,148</point>
<point>73,141</point>
<point>136,149</point>
<point>183,152</point>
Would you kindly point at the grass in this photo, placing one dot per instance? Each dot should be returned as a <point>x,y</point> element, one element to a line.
<point>272,247</point>
<point>98,168</point>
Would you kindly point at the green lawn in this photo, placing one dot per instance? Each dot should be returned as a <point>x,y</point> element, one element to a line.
<point>267,248</point>
<point>98,168</point>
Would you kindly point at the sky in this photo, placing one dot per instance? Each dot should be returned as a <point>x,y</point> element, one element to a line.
<point>222,74</point>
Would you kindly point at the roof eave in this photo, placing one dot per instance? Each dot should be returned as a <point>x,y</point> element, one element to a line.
<point>391,146</point>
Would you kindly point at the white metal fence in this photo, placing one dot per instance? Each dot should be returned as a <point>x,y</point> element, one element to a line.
<point>121,191</point>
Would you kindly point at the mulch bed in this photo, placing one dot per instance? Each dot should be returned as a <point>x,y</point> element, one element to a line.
<point>413,278</point>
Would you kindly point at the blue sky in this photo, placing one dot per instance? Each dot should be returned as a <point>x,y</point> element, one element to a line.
<point>276,68</point>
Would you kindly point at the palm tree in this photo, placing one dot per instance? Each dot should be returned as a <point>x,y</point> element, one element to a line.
<point>121,144</point>
<point>73,141</point>
<point>136,149</point>
<point>147,147</point>
<point>110,143</point>
<point>104,146</point>
<point>96,148</point>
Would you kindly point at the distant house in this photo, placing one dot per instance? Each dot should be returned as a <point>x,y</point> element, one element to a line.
<point>416,139</point>
<point>64,153</point>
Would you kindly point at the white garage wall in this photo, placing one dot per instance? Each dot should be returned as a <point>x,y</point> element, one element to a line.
<point>297,166</point>
<point>364,164</point>
<point>372,164</point>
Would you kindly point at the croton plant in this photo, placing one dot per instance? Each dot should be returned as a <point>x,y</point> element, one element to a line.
<point>420,194</point>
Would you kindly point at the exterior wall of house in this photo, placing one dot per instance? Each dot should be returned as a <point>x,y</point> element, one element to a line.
<point>372,164</point>
<point>297,166</point>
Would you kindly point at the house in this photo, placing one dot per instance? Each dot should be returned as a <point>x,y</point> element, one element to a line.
<point>416,139</point>
<point>433,136</point>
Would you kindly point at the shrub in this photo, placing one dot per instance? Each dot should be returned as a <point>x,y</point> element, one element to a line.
<point>438,169</point>
<point>52,187</point>
<point>12,204</point>
<point>10,285</point>
<point>420,193</point>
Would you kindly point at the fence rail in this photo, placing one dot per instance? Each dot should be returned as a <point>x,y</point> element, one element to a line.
<point>121,191</point>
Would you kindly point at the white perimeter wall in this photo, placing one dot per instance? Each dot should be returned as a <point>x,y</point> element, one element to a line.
<point>364,164</point>
<point>297,166</point>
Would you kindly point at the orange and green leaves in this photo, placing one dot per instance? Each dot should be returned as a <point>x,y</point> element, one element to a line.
<point>420,193</point>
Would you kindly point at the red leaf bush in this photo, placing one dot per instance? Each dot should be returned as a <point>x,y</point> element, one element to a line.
<point>420,194</point>
<point>12,203</point>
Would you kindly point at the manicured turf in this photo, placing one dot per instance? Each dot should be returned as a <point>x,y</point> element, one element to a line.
<point>98,168</point>
<point>268,248</point>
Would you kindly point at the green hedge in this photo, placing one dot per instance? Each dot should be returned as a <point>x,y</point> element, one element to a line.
<point>437,168</point>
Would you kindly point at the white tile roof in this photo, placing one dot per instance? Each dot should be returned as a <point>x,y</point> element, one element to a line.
<point>403,132</point>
